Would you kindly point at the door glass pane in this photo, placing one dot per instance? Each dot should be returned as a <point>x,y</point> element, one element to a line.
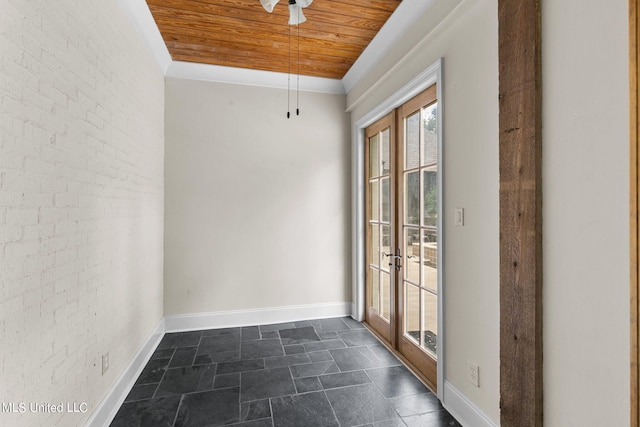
<point>385,294</point>
<point>375,289</point>
<point>412,198</point>
<point>375,243</point>
<point>374,197</point>
<point>385,164</point>
<point>430,189</point>
<point>412,312</point>
<point>430,321</point>
<point>430,135</point>
<point>373,156</point>
<point>412,140</point>
<point>384,183</point>
<point>412,255</point>
<point>430,260</point>
<point>385,247</point>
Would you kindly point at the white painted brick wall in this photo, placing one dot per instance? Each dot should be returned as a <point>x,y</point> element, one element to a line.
<point>81,202</point>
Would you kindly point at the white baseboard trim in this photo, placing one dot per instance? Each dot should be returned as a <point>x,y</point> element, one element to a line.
<point>454,401</point>
<point>109,406</point>
<point>258,316</point>
<point>463,409</point>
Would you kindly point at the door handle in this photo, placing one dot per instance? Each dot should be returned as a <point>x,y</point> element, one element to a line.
<point>398,258</point>
<point>390,254</point>
<point>392,257</point>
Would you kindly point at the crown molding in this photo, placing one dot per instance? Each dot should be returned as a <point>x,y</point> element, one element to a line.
<point>141,18</point>
<point>244,76</point>
<point>406,14</point>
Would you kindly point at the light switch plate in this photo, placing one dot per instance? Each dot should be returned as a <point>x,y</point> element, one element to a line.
<point>459,222</point>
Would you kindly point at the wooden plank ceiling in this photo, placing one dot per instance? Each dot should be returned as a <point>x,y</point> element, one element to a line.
<point>240,33</point>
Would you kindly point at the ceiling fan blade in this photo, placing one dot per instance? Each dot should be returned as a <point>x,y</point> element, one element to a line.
<point>303,3</point>
<point>295,15</point>
<point>269,4</point>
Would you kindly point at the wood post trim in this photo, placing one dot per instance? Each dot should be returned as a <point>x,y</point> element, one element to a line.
<point>520,148</point>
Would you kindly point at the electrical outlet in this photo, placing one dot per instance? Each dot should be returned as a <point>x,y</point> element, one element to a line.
<point>105,363</point>
<point>474,374</point>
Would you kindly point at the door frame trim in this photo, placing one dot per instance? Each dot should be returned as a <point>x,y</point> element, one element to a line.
<point>431,75</point>
<point>634,186</point>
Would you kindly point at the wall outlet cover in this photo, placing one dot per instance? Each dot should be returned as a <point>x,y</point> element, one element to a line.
<point>474,374</point>
<point>105,363</point>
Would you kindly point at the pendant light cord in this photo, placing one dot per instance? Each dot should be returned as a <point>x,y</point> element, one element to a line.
<point>289,78</point>
<point>298,82</point>
<point>297,69</point>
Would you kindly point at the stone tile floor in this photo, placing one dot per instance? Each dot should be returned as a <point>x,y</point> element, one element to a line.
<point>328,372</point>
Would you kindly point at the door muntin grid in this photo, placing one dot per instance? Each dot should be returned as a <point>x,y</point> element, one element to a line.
<point>419,228</point>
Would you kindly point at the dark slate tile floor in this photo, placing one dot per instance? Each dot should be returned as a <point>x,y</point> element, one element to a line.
<point>327,372</point>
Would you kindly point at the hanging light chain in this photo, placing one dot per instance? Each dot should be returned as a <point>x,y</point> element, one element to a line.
<point>289,78</point>
<point>298,12</point>
<point>298,82</point>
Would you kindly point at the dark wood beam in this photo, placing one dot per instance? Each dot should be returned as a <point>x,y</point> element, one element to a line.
<point>520,146</point>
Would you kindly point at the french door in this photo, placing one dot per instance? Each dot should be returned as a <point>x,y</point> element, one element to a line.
<point>402,198</point>
<point>380,292</point>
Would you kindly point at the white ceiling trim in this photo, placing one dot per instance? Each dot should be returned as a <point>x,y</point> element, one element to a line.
<point>245,76</point>
<point>140,15</point>
<point>407,13</point>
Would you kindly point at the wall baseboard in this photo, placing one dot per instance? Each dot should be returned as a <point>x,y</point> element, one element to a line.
<point>109,406</point>
<point>454,401</point>
<point>463,409</point>
<point>260,316</point>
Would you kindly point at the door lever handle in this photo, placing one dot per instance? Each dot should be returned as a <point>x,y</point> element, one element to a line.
<point>392,257</point>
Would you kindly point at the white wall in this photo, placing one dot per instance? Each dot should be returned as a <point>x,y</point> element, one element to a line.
<point>257,206</point>
<point>81,203</point>
<point>585,210</point>
<point>468,41</point>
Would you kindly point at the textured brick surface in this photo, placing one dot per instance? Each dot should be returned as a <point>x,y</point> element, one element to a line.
<point>81,203</point>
